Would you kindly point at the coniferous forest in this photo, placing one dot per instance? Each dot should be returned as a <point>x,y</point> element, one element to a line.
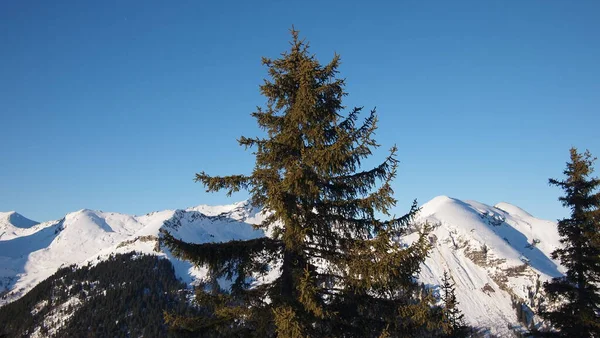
<point>123,296</point>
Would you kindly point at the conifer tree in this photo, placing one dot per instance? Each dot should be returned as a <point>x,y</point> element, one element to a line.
<point>576,296</point>
<point>454,322</point>
<point>341,271</point>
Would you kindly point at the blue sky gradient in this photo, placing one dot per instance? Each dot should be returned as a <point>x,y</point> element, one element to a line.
<point>114,105</point>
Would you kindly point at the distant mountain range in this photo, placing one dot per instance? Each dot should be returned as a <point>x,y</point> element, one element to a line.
<point>497,255</point>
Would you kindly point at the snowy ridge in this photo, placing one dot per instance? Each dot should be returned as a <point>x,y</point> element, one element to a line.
<point>88,236</point>
<point>13,225</point>
<point>496,254</point>
<point>16,220</point>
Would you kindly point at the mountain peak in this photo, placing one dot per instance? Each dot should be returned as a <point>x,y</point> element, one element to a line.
<point>17,220</point>
<point>441,200</point>
<point>438,204</point>
<point>513,209</point>
<point>6,214</point>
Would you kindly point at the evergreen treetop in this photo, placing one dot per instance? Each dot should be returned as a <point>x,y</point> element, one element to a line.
<point>576,295</point>
<point>453,319</point>
<point>341,271</point>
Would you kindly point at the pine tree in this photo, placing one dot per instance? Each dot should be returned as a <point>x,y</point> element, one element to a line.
<point>342,272</point>
<point>576,295</point>
<point>454,322</point>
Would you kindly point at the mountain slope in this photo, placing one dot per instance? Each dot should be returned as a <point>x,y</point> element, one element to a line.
<point>13,225</point>
<point>122,296</point>
<point>16,220</point>
<point>497,255</point>
<point>91,236</point>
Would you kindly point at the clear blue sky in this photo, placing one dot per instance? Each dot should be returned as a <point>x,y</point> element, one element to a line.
<point>114,105</point>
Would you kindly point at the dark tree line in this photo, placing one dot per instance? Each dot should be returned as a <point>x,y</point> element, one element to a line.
<point>124,296</point>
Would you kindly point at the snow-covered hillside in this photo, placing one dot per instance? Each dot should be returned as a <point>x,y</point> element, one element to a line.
<point>86,236</point>
<point>14,225</point>
<point>496,255</point>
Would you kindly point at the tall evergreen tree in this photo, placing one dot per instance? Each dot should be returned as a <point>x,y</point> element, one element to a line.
<point>341,271</point>
<point>454,322</point>
<point>576,295</point>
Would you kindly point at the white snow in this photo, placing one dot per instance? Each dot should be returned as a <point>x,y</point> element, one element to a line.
<point>87,236</point>
<point>507,232</point>
<point>14,225</point>
<point>31,252</point>
<point>55,320</point>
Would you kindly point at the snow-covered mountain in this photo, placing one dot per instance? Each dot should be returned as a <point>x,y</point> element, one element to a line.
<point>497,255</point>
<point>28,256</point>
<point>14,225</point>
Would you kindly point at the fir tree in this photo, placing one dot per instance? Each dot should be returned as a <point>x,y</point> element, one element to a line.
<point>576,295</point>
<point>454,323</point>
<point>341,271</point>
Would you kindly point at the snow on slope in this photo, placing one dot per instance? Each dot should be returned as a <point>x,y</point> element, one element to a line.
<point>87,236</point>
<point>14,225</point>
<point>16,220</point>
<point>495,254</point>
